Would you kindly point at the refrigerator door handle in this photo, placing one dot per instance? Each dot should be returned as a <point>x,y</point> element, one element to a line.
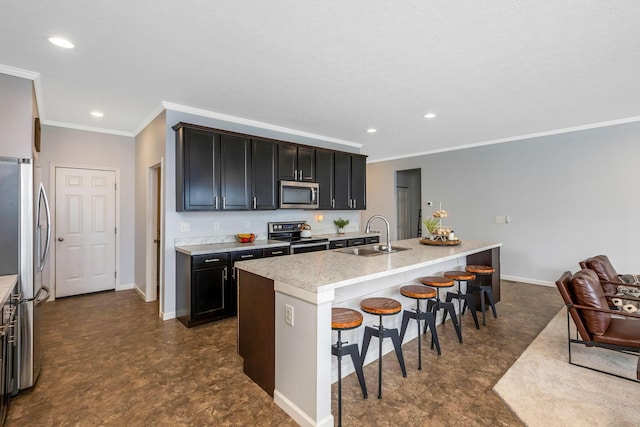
<point>45,255</point>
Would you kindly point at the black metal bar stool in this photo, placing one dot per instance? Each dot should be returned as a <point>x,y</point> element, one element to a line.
<point>343,319</point>
<point>483,271</point>
<point>382,307</point>
<point>438,283</point>
<point>467,297</point>
<point>419,292</point>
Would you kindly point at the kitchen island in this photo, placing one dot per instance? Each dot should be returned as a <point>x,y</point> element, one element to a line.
<point>284,313</point>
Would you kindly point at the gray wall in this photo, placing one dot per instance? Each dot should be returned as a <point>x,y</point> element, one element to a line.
<point>569,196</point>
<point>71,147</point>
<point>16,117</point>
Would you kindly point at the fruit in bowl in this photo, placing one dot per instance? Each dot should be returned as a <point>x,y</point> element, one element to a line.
<point>246,238</point>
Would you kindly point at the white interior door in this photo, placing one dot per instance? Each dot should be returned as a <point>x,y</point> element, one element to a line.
<point>85,231</point>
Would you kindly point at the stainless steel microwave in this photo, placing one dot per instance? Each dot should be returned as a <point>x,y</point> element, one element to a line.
<point>298,195</point>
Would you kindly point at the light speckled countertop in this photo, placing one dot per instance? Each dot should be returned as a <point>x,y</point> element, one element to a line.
<point>6,285</point>
<point>228,247</point>
<point>211,248</point>
<point>327,270</point>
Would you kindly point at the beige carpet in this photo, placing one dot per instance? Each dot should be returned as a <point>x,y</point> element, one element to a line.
<point>543,389</point>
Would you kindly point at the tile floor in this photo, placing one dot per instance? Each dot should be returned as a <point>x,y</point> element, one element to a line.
<point>109,360</point>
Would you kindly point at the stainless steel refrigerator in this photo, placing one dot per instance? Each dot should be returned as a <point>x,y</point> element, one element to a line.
<point>24,248</point>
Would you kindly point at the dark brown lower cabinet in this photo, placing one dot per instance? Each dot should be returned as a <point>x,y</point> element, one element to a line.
<point>203,293</point>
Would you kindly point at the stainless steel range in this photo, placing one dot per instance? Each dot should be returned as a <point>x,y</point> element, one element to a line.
<point>290,231</point>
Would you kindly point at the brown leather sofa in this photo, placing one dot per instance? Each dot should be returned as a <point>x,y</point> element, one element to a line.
<point>597,327</point>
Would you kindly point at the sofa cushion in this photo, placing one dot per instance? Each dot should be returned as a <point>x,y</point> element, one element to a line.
<point>587,291</point>
<point>605,271</point>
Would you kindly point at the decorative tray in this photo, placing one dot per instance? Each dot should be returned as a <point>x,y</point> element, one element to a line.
<point>440,242</point>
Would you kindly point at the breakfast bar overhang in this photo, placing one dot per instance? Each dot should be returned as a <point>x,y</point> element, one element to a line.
<point>284,313</point>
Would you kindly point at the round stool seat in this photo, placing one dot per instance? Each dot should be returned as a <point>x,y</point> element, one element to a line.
<point>418,292</point>
<point>480,269</point>
<point>437,281</point>
<point>345,318</point>
<point>381,306</point>
<point>460,275</point>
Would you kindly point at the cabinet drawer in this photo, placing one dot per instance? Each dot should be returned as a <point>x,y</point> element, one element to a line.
<point>209,260</point>
<point>246,255</point>
<point>281,250</point>
<point>335,244</point>
<point>355,242</point>
<point>373,239</point>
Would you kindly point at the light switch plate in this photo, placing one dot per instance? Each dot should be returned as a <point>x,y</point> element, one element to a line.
<point>501,219</point>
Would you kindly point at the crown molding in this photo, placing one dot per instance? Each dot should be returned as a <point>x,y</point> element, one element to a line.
<point>254,123</point>
<point>514,138</point>
<point>87,128</point>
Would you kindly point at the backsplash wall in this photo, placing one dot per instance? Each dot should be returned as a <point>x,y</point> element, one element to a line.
<point>203,224</point>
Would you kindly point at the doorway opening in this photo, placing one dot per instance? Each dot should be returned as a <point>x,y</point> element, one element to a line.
<point>154,241</point>
<point>408,203</point>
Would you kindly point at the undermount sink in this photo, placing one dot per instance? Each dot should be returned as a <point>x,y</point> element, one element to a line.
<point>370,250</point>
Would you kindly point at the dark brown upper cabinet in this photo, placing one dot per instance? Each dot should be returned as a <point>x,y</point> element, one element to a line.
<point>264,181</point>
<point>235,172</point>
<point>296,162</point>
<point>197,169</point>
<point>325,177</point>
<point>349,191</point>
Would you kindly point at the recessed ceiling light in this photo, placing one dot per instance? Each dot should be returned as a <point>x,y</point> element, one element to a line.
<point>372,130</point>
<point>429,115</point>
<point>60,42</point>
<point>97,113</point>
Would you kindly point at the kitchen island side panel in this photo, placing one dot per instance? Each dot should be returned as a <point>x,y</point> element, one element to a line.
<point>491,258</point>
<point>256,328</point>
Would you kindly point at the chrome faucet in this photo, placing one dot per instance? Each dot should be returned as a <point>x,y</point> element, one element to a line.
<point>368,229</point>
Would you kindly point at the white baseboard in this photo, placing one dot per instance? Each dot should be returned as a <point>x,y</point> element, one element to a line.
<point>124,287</point>
<point>168,316</point>
<point>139,291</point>
<point>527,280</point>
<point>297,414</point>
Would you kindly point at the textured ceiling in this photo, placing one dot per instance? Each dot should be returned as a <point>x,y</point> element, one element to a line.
<point>491,70</point>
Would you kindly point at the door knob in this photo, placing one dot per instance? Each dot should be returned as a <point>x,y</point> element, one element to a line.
<point>60,239</point>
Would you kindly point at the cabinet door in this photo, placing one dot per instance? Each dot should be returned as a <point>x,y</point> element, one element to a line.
<point>210,296</point>
<point>358,182</point>
<point>235,172</point>
<point>325,178</point>
<point>264,160</point>
<point>197,170</point>
<point>287,161</point>
<point>342,185</point>
<point>306,164</point>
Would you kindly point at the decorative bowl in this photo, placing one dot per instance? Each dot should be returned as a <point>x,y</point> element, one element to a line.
<point>246,238</point>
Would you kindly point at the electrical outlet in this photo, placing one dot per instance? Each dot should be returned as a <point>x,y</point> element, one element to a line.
<point>216,226</point>
<point>247,225</point>
<point>288,314</point>
<point>185,226</point>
